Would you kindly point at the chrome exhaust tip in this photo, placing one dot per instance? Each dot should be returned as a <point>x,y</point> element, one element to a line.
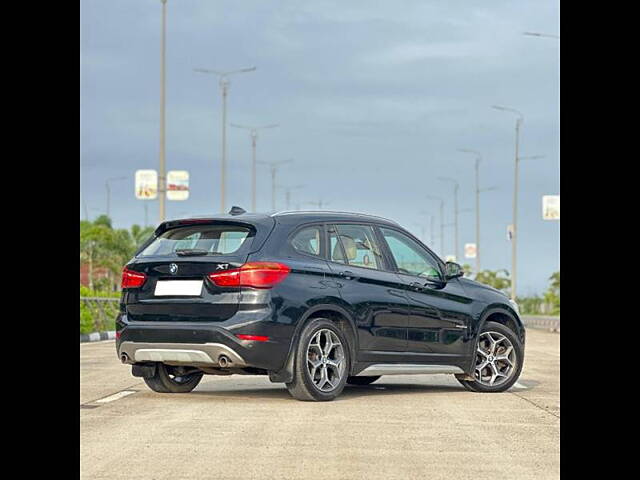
<point>124,358</point>
<point>224,361</point>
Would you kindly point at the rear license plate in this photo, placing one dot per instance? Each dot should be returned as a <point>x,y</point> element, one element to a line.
<point>191,288</point>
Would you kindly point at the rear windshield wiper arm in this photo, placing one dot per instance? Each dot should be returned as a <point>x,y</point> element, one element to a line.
<point>184,252</point>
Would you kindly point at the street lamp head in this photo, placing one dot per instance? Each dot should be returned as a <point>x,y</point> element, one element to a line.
<point>536,34</point>
<point>287,187</point>
<point>448,179</point>
<point>224,74</point>
<point>253,131</point>
<point>509,109</point>
<point>474,152</point>
<point>113,179</point>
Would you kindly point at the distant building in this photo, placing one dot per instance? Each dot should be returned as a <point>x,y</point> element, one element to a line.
<point>98,273</point>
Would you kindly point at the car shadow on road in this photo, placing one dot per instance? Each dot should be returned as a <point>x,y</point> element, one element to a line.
<point>350,391</point>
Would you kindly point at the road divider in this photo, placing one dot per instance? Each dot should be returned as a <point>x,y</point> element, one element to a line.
<point>540,321</point>
<point>97,336</point>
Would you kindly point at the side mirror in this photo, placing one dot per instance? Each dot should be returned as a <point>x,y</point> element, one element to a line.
<point>453,270</point>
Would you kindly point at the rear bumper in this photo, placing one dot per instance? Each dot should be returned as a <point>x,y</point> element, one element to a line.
<point>196,354</point>
<point>202,344</point>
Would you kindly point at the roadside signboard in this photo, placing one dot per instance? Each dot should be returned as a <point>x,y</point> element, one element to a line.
<point>146,184</point>
<point>470,250</point>
<point>177,185</point>
<point>551,207</point>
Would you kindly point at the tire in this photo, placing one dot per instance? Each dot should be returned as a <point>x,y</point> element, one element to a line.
<point>361,380</point>
<point>332,368</point>
<point>162,382</point>
<point>509,366</point>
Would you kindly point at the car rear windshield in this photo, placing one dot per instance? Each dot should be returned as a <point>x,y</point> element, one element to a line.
<point>199,240</point>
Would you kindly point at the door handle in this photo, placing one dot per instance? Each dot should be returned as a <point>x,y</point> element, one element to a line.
<point>347,275</point>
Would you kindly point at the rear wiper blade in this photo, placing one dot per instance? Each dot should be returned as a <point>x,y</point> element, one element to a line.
<point>191,252</point>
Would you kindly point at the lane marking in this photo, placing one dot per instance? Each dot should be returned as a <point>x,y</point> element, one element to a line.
<point>116,396</point>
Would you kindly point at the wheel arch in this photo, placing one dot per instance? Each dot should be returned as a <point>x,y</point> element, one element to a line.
<point>333,312</point>
<point>504,315</point>
<point>501,314</point>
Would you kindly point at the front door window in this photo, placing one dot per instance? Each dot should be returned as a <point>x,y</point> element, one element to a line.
<point>410,257</point>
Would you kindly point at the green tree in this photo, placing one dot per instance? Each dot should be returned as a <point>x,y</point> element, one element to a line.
<point>93,246</point>
<point>140,234</point>
<point>498,279</point>
<point>552,295</point>
<point>103,220</point>
<point>102,246</point>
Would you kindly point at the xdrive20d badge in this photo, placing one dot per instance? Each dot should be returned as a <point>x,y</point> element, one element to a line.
<point>315,300</point>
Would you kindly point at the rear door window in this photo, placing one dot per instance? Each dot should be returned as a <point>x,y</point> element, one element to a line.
<point>359,245</point>
<point>307,240</point>
<point>200,239</point>
<point>336,253</point>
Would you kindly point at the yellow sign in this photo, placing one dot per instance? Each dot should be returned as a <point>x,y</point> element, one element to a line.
<point>551,207</point>
<point>146,184</point>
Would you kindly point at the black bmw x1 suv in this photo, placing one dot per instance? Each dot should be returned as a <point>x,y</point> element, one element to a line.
<point>313,299</point>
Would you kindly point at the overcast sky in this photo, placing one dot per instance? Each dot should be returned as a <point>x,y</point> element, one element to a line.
<point>373,100</point>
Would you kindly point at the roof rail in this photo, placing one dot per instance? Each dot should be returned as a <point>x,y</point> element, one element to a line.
<point>291,212</point>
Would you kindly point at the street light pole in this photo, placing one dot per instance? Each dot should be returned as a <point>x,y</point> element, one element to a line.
<point>162,177</point>
<point>479,190</point>
<point>428,214</point>
<point>253,132</point>
<point>478,159</point>
<point>441,200</point>
<point>514,238</point>
<point>431,228</point>
<point>224,87</point>
<point>456,187</point>
<point>108,187</point>
<point>422,235</point>
<point>274,169</point>
<point>287,195</point>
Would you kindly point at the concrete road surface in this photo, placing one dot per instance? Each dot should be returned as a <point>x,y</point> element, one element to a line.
<point>243,427</point>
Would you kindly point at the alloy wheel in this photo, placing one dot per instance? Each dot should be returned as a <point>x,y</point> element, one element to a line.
<point>495,359</point>
<point>325,360</point>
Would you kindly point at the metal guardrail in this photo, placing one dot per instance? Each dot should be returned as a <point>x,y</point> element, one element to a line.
<point>540,321</point>
<point>102,309</point>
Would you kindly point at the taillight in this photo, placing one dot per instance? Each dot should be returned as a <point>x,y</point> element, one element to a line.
<point>131,279</point>
<point>253,274</point>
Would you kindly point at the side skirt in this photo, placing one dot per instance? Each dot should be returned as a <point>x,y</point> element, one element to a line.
<point>407,369</point>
